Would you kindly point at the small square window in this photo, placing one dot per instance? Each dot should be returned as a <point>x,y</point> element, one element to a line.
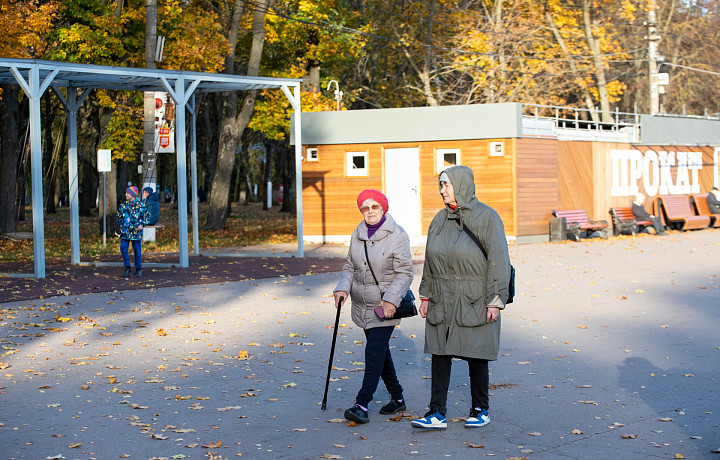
<point>447,158</point>
<point>312,154</point>
<point>357,164</point>
<point>497,149</point>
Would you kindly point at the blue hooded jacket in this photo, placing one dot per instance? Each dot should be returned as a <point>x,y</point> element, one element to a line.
<point>152,202</point>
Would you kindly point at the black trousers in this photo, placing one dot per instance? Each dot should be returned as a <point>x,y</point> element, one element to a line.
<point>479,382</point>
<point>378,364</point>
<point>657,224</point>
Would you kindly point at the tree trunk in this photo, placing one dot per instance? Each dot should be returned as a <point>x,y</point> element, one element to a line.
<point>51,156</point>
<point>10,149</point>
<point>594,45</point>
<point>109,203</point>
<point>87,146</point>
<point>287,168</point>
<point>21,178</point>
<point>234,123</point>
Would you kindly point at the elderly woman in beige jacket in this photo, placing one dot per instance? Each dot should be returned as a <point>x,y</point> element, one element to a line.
<point>381,242</point>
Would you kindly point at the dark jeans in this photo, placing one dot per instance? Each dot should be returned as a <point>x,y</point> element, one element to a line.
<point>378,364</point>
<point>479,382</point>
<point>136,252</point>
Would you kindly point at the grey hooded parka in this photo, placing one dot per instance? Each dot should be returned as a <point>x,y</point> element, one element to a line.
<point>389,251</point>
<point>457,279</point>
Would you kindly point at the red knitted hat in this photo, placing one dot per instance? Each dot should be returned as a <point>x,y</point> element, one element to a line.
<point>373,195</point>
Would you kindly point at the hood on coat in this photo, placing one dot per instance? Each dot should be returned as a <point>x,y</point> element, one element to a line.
<point>463,182</point>
<point>152,196</point>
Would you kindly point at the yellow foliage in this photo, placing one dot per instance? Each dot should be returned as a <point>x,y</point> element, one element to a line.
<point>25,26</point>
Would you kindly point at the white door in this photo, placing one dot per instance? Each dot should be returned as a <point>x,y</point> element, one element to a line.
<point>402,188</point>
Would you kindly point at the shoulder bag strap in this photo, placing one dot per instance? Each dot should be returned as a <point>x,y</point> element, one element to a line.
<point>368,262</point>
<point>476,240</point>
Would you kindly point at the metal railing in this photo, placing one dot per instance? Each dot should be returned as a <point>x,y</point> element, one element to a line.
<point>581,118</point>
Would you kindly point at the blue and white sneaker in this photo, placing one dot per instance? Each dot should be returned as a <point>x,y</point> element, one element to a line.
<point>478,417</point>
<point>433,420</point>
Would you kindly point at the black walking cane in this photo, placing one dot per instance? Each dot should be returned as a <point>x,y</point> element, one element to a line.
<point>332,352</point>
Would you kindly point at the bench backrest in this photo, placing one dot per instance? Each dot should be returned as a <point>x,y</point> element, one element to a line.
<point>622,213</point>
<point>676,206</point>
<point>701,206</point>
<point>577,216</point>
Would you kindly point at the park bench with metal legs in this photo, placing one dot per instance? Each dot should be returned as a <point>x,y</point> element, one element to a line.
<point>579,222</point>
<point>625,221</point>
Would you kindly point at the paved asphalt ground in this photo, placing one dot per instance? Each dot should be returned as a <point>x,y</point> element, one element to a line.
<point>606,340</point>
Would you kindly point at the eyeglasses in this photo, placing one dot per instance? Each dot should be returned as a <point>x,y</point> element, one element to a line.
<point>365,209</point>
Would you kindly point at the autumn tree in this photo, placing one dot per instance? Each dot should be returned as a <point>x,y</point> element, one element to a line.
<point>235,116</point>
<point>690,43</point>
<point>304,40</point>
<point>24,25</point>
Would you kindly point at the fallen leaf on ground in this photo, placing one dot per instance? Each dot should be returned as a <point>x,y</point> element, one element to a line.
<point>223,409</point>
<point>628,436</point>
<point>474,446</point>
<point>213,445</point>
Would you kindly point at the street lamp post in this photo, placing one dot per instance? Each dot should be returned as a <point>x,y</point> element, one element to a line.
<point>338,93</point>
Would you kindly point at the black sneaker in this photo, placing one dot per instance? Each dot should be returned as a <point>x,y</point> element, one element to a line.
<point>127,271</point>
<point>138,272</point>
<point>357,415</point>
<point>393,407</point>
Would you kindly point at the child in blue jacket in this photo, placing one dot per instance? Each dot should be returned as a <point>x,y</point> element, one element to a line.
<point>132,215</point>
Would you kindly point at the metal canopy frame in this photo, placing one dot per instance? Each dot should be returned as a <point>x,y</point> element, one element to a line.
<point>36,76</point>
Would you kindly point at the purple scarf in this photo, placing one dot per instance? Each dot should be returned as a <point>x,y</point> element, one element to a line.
<point>373,228</point>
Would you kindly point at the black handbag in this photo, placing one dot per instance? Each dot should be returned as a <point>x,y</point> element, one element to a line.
<point>407,307</point>
<point>511,284</point>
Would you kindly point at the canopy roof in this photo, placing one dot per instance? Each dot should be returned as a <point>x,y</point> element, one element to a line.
<point>66,74</point>
<point>36,76</point>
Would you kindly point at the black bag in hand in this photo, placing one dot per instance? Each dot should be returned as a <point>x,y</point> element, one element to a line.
<point>406,308</point>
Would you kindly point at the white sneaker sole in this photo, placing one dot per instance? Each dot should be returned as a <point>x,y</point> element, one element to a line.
<point>428,426</point>
<point>476,424</point>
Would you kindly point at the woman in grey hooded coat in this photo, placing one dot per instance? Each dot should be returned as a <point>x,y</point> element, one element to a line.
<point>462,294</point>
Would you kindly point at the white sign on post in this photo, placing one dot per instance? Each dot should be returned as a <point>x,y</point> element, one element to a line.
<point>104,160</point>
<point>104,164</point>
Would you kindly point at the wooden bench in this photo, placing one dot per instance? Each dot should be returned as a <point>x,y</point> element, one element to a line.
<point>676,211</point>
<point>578,221</point>
<point>699,202</point>
<point>624,220</point>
